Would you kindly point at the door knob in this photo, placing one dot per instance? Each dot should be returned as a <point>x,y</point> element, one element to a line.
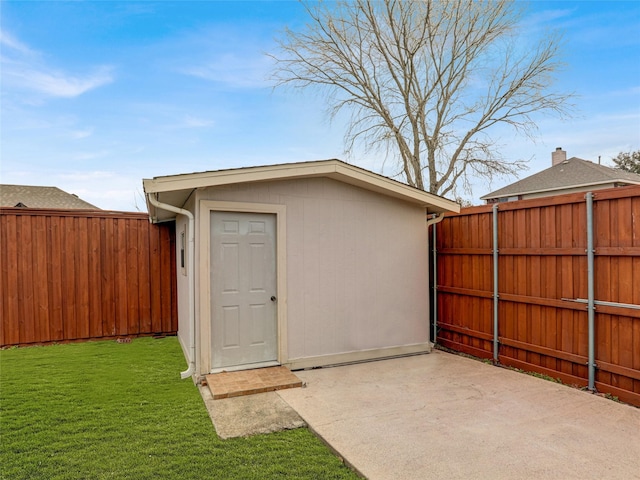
<point>273,298</point>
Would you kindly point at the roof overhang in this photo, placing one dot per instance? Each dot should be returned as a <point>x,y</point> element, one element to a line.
<point>560,188</point>
<point>176,189</point>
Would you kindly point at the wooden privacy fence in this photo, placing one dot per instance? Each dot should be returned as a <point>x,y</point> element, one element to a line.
<point>70,275</point>
<point>543,287</point>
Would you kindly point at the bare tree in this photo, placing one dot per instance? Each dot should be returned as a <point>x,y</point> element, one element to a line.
<point>425,81</point>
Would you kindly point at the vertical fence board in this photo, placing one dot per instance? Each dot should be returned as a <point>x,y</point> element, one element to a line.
<point>73,275</point>
<point>170,232</point>
<point>132,277</point>
<point>69,274</point>
<point>40,278</point>
<point>167,278</point>
<point>542,261</point>
<point>95,279</point>
<point>9,271</point>
<point>108,261</point>
<point>81,239</point>
<point>155,272</point>
<point>25,284</point>
<point>121,278</point>
<point>3,276</point>
<point>144,280</point>
<point>54,269</point>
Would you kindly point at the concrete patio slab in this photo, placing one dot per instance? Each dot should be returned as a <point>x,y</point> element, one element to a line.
<point>444,416</point>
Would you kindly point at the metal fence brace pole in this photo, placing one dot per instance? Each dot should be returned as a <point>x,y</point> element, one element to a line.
<point>435,286</point>
<point>495,283</point>
<point>590,291</point>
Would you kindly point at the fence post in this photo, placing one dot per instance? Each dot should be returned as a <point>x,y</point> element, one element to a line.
<point>495,283</point>
<point>590,290</point>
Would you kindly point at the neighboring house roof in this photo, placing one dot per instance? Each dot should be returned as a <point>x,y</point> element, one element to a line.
<point>572,173</point>
<point>176,189</point>
<point>28,196</point>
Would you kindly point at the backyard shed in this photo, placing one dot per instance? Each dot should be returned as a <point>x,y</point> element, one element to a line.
<point>303,264</point>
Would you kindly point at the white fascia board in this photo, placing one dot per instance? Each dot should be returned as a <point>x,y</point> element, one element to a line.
<point>237,175</point>
<point>372,181</point>
<point>330,168</point>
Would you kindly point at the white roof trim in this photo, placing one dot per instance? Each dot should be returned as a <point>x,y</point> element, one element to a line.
<point>566,187</point>
<point>335,169</point>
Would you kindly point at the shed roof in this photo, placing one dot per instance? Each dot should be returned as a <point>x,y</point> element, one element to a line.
<point>30,196</point>
<point>176,189</point>
<point>572,173</point>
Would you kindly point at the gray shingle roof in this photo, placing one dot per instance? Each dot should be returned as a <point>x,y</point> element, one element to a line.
<point>41,197</point>
<point>571,173</point>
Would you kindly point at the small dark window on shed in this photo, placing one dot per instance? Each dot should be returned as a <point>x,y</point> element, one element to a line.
<point>183,255</point>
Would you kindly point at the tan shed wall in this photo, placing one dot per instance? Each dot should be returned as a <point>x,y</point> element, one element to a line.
<point>182,284</point>
<point>357,265</point>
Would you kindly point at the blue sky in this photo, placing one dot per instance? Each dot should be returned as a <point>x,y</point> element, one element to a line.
<point>96,96</point>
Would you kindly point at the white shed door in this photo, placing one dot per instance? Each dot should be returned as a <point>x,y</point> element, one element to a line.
<point>243,290</point>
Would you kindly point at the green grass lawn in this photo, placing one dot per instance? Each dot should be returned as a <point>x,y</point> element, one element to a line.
<point>107,410</point>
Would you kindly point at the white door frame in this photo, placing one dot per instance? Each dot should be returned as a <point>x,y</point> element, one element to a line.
<point>205,209</point>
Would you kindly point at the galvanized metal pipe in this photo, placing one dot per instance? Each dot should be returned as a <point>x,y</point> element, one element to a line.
<point>631,306</point>
<point>434,221</point>
<point>435,288</point>
<point>191,273</point>
<point>590,291</point>
<point>495,283</point>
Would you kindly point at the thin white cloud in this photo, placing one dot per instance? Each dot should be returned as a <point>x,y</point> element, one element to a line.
<point>628,92</point>
<point>543,17</point>
<point>8,40</point>
<point>80,134</point>
<point>231,70</point>
<point>55,83</point>
<point>23,69</point>
<point>195,122</point>
<point>231,56</point>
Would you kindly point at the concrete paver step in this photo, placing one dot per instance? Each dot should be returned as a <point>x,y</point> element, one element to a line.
<point>250,382</point>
